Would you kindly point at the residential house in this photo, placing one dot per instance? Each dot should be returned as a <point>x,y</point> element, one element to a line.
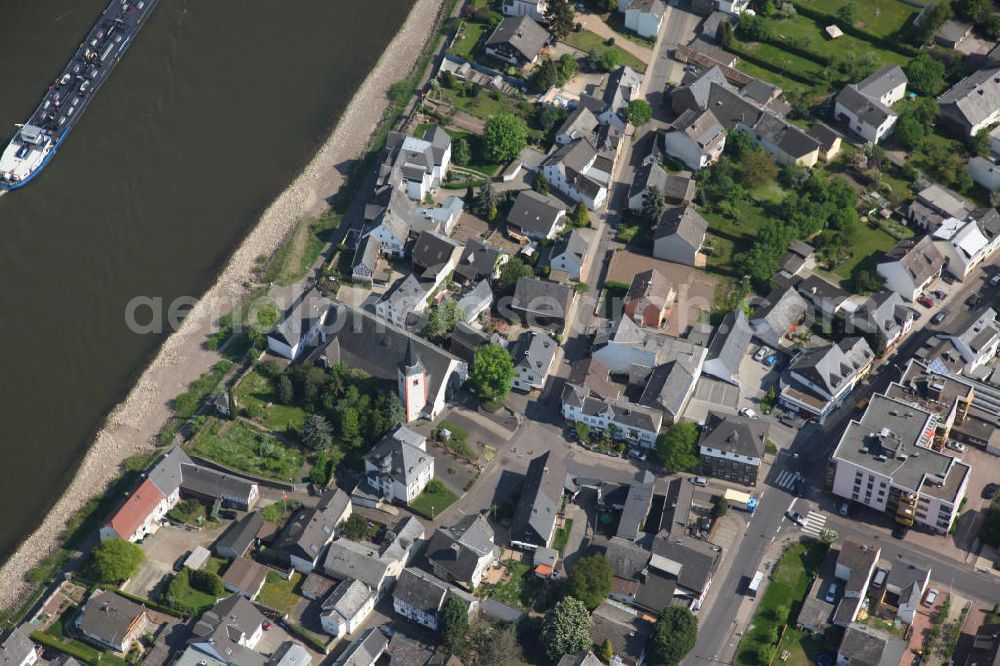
<point>580,172</point>
<point>466,339</point>
<point>621,88</point>
<point>707,50</point>
<point>985,172</point>
<point>948,396</point>
<point>536,9</point>
<point>883,316</point>
<point>462,553</point>
<point>419,165</point>
<point>680,235</point>
<point>696,138</point>
<point>904,589</point>
<point>408,295</point>
<point>678,189</point>
<point>776,322</point>
<point>290,653</point>
<point>366,259</point>
<point>648,299</point>
<point>306,535</point>
<point>818,380</point>
<point>536,216</point>
<point>866,106</point>
<point>855,565</point>
<point>443,218</point>
<point>965,244</point>
<point>139,515</point>
<point>209,485</point>
<point>399,466</point>
<point>910,266</point>
<point>392,217</point>
<point>419,596</point>
<point>570,254</point>
<point>517,41</point>
<point>885,461</point>
<point>368,649</point>
<point>533,354</point>
<point>17,649</point>
<point>728,347</point>
<point>581,123</point>
<point>864,645</point>
<point>229,631</point>
<point>111,621</point>
<point>826,298</point>
<point>479,261</point>
<point>583,658</point>
<point>829,141</point>
<point>973,103</point>
<point>623,420</point>
<point>534,523</point>
<point>979,341</point>
<point>643,16</point>
<point>732,447</point>
<point>951,33</point>
<point>785,142</point>
<point>689,563</point>
<point>542,304</point>
<point>240,537</point>
<point>426,376</point>
<point>245,577</point>
<point>934,204</point>
<point>638,502</point>
<point>985,646</point>
<point>433,258</point>
<point>801,257</point>
<point>474,301</point>
<point>628,633</point>
<point>300,327</point>
<point>376,565</point>
<point>347,607</point>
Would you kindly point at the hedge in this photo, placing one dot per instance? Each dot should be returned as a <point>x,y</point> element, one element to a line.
<point>777,69</point>
<point>66,648</point>
<point>148,603</point>
<point>306,636</point>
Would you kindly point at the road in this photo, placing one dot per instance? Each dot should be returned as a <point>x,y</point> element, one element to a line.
<point>679,26</point>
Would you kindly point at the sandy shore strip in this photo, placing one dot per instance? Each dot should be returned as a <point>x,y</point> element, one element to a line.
<point>131,427</point>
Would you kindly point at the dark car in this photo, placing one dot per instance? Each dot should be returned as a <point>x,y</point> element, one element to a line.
<point>938,294</point>
<point>990,490</point>
<point>899,532</point>
<point>939,317</point>
<point>925,301</point>
<point>179,564</point>
<point>226,514</point>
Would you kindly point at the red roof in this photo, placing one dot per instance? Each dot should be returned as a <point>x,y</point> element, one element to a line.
<point>135,510</point>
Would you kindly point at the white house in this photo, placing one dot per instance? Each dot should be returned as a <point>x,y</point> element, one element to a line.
<point>399,466</point>
<point>422,164</point>
<point>979,341</point>
<point>818,380</point>
<point>419,596</point>
<point>579,172</point>
<point>985,172</point>
<point>533,8</point>
<point>910,266</point>
<point>463,552</point>
<point>972,104</point>
<point>301,327</point>
<point>867,106</point>
<point>140,514</point>
<point>964,245</point>
<point>408,295</point>
<point>643,16</point>
<point>347,607</point>
<point>17,649</point>
<point>533,354</point>
<point>696,138</point>
<point>377,567</point>
<point>570,254</point>
<point>680,235</point>
<point>623,420</point>
<point>445,216</point>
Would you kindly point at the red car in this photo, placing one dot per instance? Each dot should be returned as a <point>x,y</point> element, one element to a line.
<point>925,301</point>
<point>267,625</point>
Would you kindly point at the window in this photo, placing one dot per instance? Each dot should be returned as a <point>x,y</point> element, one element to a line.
<point>416,382</point>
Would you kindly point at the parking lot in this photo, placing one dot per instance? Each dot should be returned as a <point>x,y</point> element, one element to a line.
<point>163,550</point>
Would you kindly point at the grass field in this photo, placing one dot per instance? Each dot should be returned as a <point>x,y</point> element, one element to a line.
<point>279,593</point>
<point>477,150</point>
<point>867,247</point>
<point>562,536</point>
<point>803,647</point>
<point>729,238</point>
<point>241,446</point>
<point>588,41</point>
<point>469,37</point>
<point>882,18</point>
<point>520,589</point>
<point>435,499</point>
<point>258,394</point>
<point>299,251</point>
<point>800,29</point>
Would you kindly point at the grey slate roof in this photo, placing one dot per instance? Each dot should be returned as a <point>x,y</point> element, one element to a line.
<point>667,386</point>
<point>290,653</point>
<point>868,109</point>
<point>354,559</point>
<point>824,135</point>
<point>348,598</point>
<point>787,137</point>
<point>241,534</point>
<point>579,124</point>
<point>684,222</point>
<point>308,532</point>
<point>107,616</point>
<point>920,258</point>
<point>621,412</point>
<point>210,483</point>
<point>366,650</point>
<point>475,300</point>
<point>478,260</point>
<point>458,549</point>
<point>637,504</point>
<point>304,316</point>
<point>420,590</point>
<point>522,33</point>
<point>535,213</point>
<point>580,659</point>
<point>542,297</point>
<point>695,94</point>
<point>16,647</point>
<point>830,367</point>
<point>627,632</point>
<point>534,351</point>
<point>627,558</point>
<point>396,455</point>
<point>430,253</point>
<point>782,309</point>
<point>973,99</point>
<point>622,87</point>
<point>574,243</point>
<point>166,473</point>
<point>865,646</point>
<point>702,127</point>
<point>821,292</point>
<point>690,561</point>
<point>882,80</point>
<point>734,434</point>
<point>574,159</point>
<point>728,346</point>
<point>535,516</point>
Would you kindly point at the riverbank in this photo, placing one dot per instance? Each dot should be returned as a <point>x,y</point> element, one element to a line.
<point>131,427</point>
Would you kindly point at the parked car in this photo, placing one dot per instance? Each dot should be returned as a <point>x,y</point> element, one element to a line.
<point>931,596</point>
<point>990,490</point>
<point>995,280</point>
<point>831,593</point>
<point>878,580</point>
<point>699,481</point>
<point>761,353</point>
<point>925,301</point>
<point>179,564</point>
<point>266,626</point>
<point>771,360</point>
<point>956,446</point>
<point>938,294</point>
<point>845,509</point>
<point>899,532</point>
<point>227,514</point>
<point>749,413</point>
<point>637,454</point>
<point>939,317</point>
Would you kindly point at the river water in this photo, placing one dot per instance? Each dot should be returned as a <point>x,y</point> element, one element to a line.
<point>212,111</point>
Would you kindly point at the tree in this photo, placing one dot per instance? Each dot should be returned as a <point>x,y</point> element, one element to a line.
<point>909,132</point>
<point>848,13</point>
<point>757,168</point>
<point>828,535</point>
<point>677,448</point>
<point>356,528</point>
<point>208,582</point>
<point>540,184</point>
<point>566,628</point>
<point>639,112</point>
<point>492,645</point>
<point>442,318</point>
<point>590,580</point>
<point>460,152</point>
<point>115,561</point>
<point>725,34</point>
<point>505,135</point>
<point>486,200</point>
<point>610,60</point>
<point>607,651</point>
<point>653,205</point>
<point>721,507</point>
<point>926,75</point>
<point>512,271</point>
<point>567,67</point>
<point>580,217</point>
<point>560,17</point>
<point>980,143</point>
<point>673,637</point>
<point>453,625</point>
<point>492,371</point>
<point>974,10</point>
<point>317,433</point>
<point>547,74</point>
<point>286,394</point>
<point>548,117</point>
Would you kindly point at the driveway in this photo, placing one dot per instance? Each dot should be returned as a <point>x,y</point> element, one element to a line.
<point>594,23</point>
<point>162,550</point>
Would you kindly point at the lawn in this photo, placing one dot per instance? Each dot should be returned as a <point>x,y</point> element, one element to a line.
<point>562,536</point>
<point>477,151</point>
<point>279,512</point>
<point>801,29</point>
<point>435,499</point>
<point>258,393</point>
<point>520,589</point>
<point>867,247</point>
<point>469,36</point>
<point>179,595</point>
<point>190,511</point>
<point>301,248</point>
<point>242,447</point>
<point>881,18</point>
<point>729,236</point>
<point>588,41</point>
<point>616,21</point>
<point>278,593</point>
<point>788,586</point>
<point>802,646</point>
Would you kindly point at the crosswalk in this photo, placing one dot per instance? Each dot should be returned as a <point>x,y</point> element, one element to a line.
<point>814,523</point>
<point>786,479</point>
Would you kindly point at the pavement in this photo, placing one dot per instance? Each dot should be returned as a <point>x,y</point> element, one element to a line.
<point>595,24</point>
<point>678,28</point>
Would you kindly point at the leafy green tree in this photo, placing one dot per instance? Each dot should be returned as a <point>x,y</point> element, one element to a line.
<point>512,271</point>
<point>115,561</point>
<point>549,117</point>
<point>974,10</point>
<point>546,75</point>
<point>449,80</point>
<point>926,74</point>
<point>453,625</point>
<point>725,34</point>
<point>909,132</point>
<point>677,448</point>
<point>590,580</point>
<point>610,60</point>
<point>848,13</point>
<point>567,67</point>
<point>461,154</point>
<point>286,393</point>
<point>739,144</point>
<point>674,635</point>
<point>639,112</point>
<point>754,28</point>
<point>560,16</point>
<point>757,168</point>
<point>356,528</point>
<point>486,200</point>
<point>540,184</point>
<point>654,205</point>
<point>721,507</point>
<point>492,645</point>
<point>566,628</point>
<point>580,217</point>
<point>317,433</point>
<point>607,651</point>
<point>828,536</point>
<point>208,582</point>
<point>492,371</point>
<point>980,143</point>
<point>505,135</point>
<point>442,318</point>
<point>349,425</point>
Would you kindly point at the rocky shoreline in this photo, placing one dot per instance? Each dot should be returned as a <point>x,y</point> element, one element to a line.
<point>132,425</point>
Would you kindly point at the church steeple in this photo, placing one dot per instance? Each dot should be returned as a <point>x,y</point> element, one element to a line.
<point>412,383</point>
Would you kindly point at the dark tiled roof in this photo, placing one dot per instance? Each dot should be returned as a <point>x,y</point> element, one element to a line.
<point>542,490</point>
<point>734,434</point>
<point>535,213</point>
<point>108,616</point>
<point>542,297</point>
<point>522,34</point>
<point>241,534</point>
<point>686,223</point>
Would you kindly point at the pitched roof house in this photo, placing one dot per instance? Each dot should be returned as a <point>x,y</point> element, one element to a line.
<point>111,621</point>
<point>732,447</point>
<point>780,316</point>
<point>240,536</point>
<point>541,303</point>
<point>138,515</point>
<point>623,420</point>
<point>365,651</point>
<point>300,326</point>
<point>884,315</point>
<point>973,103</point>
<point>460,554</point>
<point>375,565</point>
<point>934,204</point>
<point>419,596</point>
<point>479,261</point>
<point>643,17</point>
<point>817,380</point>
<point>17,649</point>
<point>533,354</point>
<point>910,266</point>
<point>866,105</point>
<point>347,607</point>
<point>536,216</point>
<point>229,631</point>
<point>649,298</point>
<point>570,254</point>
<point>245,577</point>
<point>534,522</point>
<point>306,536</point>
<point>399,466</point>
<point>517,40</point>
<point>728,347</point>
<point>680,235</point>
<point>408,295</point>
<point>433,257</point>
<point>580,172</point>
<point>696,138</point>
<point>864,646</point>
